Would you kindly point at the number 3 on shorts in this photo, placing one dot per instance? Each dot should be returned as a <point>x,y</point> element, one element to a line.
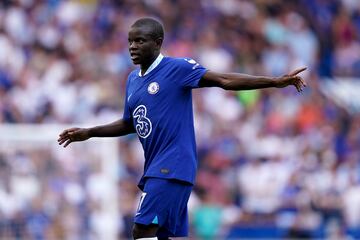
<point>140,202</point>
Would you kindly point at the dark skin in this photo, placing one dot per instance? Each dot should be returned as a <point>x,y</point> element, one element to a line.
<point>144,49</point>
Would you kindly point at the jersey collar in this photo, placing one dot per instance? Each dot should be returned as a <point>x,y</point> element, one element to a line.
<point>153,65</point>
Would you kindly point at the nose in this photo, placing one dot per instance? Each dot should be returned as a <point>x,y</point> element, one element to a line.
<point>132,45</point>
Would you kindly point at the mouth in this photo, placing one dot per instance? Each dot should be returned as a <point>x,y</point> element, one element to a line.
<point>134,56</point>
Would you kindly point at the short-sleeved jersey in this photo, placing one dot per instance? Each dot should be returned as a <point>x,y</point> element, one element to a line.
<point>159,105</point>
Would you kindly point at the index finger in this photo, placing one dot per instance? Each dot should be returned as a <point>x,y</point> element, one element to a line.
<point>297,71</point>
<point>65,132</point>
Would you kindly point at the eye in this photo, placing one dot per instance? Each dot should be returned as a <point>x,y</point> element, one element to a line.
<point>137,41</point>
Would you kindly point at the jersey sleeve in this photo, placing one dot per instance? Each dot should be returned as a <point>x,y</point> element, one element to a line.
<point>189,73</point>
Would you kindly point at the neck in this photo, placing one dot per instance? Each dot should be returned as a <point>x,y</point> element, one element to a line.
<point>145,66</point>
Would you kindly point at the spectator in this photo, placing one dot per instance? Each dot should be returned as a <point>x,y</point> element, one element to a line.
<point>66,61</point>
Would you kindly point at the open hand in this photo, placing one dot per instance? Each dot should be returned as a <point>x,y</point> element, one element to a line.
<point>292,79</point>
<point>73,135</point>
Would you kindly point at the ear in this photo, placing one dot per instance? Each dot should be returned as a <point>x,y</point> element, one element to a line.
<point>159,42</point>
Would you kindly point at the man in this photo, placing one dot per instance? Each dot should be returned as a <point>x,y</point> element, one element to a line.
<point>158,107</point>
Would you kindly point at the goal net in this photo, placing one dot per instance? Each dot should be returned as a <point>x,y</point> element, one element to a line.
<point>48,192</point>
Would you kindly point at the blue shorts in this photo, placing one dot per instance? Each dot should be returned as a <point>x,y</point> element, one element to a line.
<point>164,202</point>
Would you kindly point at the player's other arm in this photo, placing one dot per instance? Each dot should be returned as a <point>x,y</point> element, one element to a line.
<point>238,81</point>
<point>114,129</point>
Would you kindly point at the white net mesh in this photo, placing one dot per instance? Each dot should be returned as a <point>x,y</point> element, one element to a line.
<point>48,192</point>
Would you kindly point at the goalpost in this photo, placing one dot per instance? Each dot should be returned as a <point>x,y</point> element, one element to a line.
<point>40,173</point>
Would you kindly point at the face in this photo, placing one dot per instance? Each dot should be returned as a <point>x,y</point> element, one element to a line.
<point>142,47</point>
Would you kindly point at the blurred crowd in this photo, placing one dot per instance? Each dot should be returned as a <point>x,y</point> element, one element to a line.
<point>272,163</point>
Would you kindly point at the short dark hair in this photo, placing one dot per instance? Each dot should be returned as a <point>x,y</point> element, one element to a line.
<point>157,29</point>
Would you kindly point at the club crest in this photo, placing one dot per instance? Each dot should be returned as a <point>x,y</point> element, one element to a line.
<point>153,88</point>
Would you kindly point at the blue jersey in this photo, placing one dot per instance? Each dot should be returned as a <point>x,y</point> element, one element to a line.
<point>159,105</point>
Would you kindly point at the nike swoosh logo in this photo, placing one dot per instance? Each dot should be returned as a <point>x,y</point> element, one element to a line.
<point>129,97</point>
<point>137,214</point>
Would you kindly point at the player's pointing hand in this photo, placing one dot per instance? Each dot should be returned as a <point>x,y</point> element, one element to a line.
<point>292,79</point>
<point>73,135</point>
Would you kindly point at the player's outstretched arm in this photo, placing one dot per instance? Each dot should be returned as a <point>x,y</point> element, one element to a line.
<point>238,81</point>
<point>114,129</point>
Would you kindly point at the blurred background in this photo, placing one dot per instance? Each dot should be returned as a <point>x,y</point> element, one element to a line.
<point>272,163</point>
